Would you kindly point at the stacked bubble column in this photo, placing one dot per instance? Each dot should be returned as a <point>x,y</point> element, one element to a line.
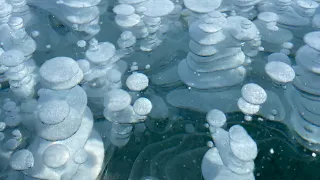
<point>305,96</point>
<point>274,39</point>
<point>5,14</point>
<point>20,40</point>
<point>246,8</point>
<point>295,16</point>
<point>20,78</point>
<point>234,152</point>
<point>79,15</point>
<point>216,59</point>
<point>66,145</point>
<point>101,58</point>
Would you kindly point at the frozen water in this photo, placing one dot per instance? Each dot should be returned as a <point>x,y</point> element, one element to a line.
<point>21,160</point>
<point>253,94</point>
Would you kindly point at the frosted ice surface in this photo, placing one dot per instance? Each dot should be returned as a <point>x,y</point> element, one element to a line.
<point>216,118</point>
<point>242,145</point>
<point>253,94</point>
<point>117,99</point>
<point>80,156</point>
<point>246,107</point>
<point>21,160</point>
<point>158,8</point>
<point>53,112</point>
<point>137,82</point>
<point>55,155</point>
<point>60,73</point>
<point>280,72</point>
<point>123,9</point>
<point>12,58</point>
<point>202,6</point>
<point>142,106</point>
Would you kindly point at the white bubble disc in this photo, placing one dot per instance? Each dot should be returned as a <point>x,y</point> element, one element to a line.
<point>253,94</point>
<point>117,100</point>
<point>137,82</point>
<point>142,106</point>
<point>55,155</point>
<point>216,118</point>
<point>21,160</point>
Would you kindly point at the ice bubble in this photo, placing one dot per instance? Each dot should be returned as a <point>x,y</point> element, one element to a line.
<point>253,94</point>
<point>55,155</point>
<point>202,6</point>
<point>114,75</point>
<point>242,145</point>
<point>81,43</point>
<point>21,160</point>
<point>9,106</point>
<point>312,39</point>
<point>216,118</point>
<point>279,57</point>
<point>84,65</point>
<point>80,156</point>
<point>2,126</point>
<point>268,17</point>
<point>13,121</point>
<point>12,58</point>
<point>287,45</point>
<point>127,22</point>
<point>137,82</point>
<point>15,23</point>
<point>248,118</point>
<point>142,106</point>
<point>117,100</point>
<point>280,72</point>
<point>210,144</point>
<point>60,73</point>
<point>11,144</point>
<point>28,106</point>
<point>126,35</point>
<point>2,136</point>
<point>17,134</point>
<point>100,53</point>
<point>158,8</point>
<point>247,108</point>
<point>35,34</point>
<point>123,9</point>
<point>53,112</point>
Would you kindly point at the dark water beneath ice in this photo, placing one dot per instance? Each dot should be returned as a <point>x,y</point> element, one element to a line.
<point>177,155</point>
